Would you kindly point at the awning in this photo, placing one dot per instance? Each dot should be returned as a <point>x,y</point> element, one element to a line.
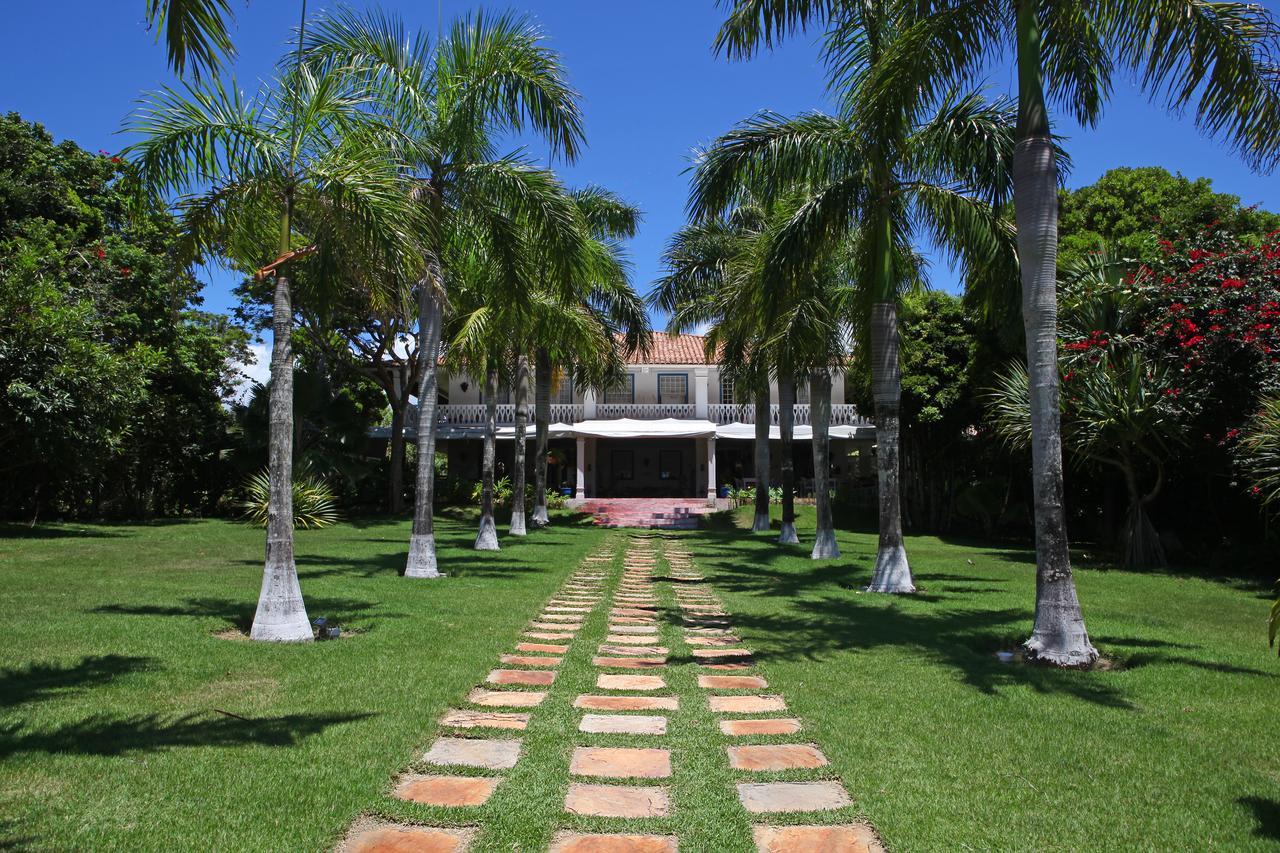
<point>629,428</point>
<point>747,432</point>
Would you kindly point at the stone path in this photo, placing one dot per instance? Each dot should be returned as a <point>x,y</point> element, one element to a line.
<point>622,750</point>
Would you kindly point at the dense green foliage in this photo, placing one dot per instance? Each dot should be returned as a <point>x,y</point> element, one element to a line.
<point>112,381</point>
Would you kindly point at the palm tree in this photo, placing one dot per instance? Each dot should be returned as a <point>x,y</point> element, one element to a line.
<point>195,32</point>
<point>487,75</point>
<point>308,160</point>
<point>1216,57</point>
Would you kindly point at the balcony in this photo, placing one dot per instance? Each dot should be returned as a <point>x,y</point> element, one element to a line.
<point>570,413</point>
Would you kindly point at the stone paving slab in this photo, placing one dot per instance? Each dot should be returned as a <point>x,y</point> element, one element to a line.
<point>505,698</point>
<point>732,682</point>
<point>828,839</point>
<point>484,719</point>
<point>453,791</point>
<point>537,678</point>
<point>474,752</point>
<point>621,762</point>
<point>572,842</point>
<point>369,837</point>
<point>617,800</point>
<point>632,629</point>
<point>627,703</point>
<point>549,648</point>
<point>720,653</point>
<point>547,635</point>
<point>555,626</point>
<point>625,650</point>
<point>572,618</point>
<point>630,682</point>
<point>630,639</point>
<point>727,640</point>
<point>772,726</point>
<point>629,663</point>
<point>622,724</point>
<point>766,797</point>
<point>528,660</point>
<point>747,704</point>
<point>783,756</point>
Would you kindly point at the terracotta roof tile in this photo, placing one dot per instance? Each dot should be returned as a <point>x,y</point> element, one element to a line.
<point>681,349</point>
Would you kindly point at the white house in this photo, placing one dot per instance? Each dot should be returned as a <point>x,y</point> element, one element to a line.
<point>671,429</point>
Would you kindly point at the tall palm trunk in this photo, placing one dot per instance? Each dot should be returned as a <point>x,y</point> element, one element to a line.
<point>1058,635</point>
<point>281,615</point>
<point>892,572</point>
<point>487,537</point>
<point>517,466</point>
<point>786,426</point>
<point>422,541</point>
<point>761,522</point>
<point>542,425</point>
<point>824,542</point>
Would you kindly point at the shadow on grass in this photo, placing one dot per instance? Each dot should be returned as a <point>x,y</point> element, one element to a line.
<point>1266,811</point>
<point>39,681</point>
<point>106,735</point>
<point>240,613</point>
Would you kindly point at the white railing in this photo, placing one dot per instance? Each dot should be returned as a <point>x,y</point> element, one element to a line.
<point>565,413</point>
<point>474,414</point>
<point>644,411</point>
<point>843,414</point>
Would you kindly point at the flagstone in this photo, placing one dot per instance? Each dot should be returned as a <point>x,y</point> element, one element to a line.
<point>393,838</point>
<point>627,703</point>
<point>630,639</point>
<point>617,800</point>
<point>565,608</point>
<point>474,752</point>
<point>747,704</point>
<point>547,635</point>
<point>621,762</point>
<point>803,839</point>
<point>772,726</point>
<point>622,724</point>
<point>632,611</point>
<point>505,698</point>
<point>786,756</point>
<point>573,842</point>
<point>624,649</point>
<point>446,790</point>
<point>486,719</point>
<point>629,662</point>
<point>732,682</point>
<point>539,678</point>
<point>630,682</point>
<point>632,629</point>
<point>569,627</point>
<point>721,653</point>
<point>562,617</point>
<point>726,640</point>
<point>763,797</point>
<point>542,647</point>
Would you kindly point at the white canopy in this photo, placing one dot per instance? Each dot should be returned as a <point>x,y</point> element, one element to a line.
<point>747,432</point>
<point>629,428</point>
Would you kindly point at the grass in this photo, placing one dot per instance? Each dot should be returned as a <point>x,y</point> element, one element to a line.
<point>116,698</point>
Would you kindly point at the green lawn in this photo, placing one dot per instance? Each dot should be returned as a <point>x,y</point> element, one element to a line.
<point>116,698</point>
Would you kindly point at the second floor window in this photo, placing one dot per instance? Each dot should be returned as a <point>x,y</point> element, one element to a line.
<point>726,391</point>
<point>562,392</point>
<point>624,393</point>
<point>673,388</point>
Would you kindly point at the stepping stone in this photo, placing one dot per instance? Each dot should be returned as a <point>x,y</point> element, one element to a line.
<point>539,678</point>
<point>468,752</point>
<point>747,704</point>
<point>555,626</point>
<point>777,726</point>
<point>738,666</point>
<point>621,762</point>
<point>764,797</point>
<point>629,663</point>
<point>542,647</point>
<point>630,682</point>
<point>732,682</point>
<point>528,660</point>
<point>624,649</point>
<point>390,838</point>
<point>505,698</point>
<point>547,635</point>
<point>787,756</point>
<point>484,719</point>
<point>627,703</point>
<point>447,790</point>
<point>721,653</point>
<point>632,629</point>
<point>630,639</point>
<point>622,724</point>
<point>713,641</point>
<point>617,800</point>
<point>632,611</point>
<point>631,620</point>
<point>566,608</point>
<point>828,839</point>
<point>562,617</point>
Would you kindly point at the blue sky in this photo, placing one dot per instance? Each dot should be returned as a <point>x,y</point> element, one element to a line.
<point>651,90</point>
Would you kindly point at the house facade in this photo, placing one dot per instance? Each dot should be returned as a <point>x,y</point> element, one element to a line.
<point>673,428</point>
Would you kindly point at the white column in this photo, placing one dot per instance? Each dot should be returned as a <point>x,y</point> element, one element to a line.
<point>588,407</point>
<point>581,491</point>
<point>700,392</point>
<point>837,388</point>
<point>711,466</point>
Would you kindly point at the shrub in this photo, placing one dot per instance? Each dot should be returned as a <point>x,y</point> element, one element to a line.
<point>314,504</point>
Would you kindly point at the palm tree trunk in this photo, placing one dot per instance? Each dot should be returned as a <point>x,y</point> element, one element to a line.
<point>1058,635</point>
<point>893,572</point>
<point>542,425</point>
<point>422,541</point>
<point>487,537</point>
<point>824,542</point>
<point>761,522</point>
<point>786,426</point>
<point>281,615</point>
<point>395,476</point>
<point>522,421</point>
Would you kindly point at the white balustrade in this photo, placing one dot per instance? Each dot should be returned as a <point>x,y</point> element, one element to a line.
<point>843,414</point>
<point>474,414</point>
<point>644,411</point>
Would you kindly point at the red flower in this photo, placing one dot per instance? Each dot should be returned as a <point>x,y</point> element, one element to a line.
<point>1197,254</point>
<point>1232,284</point>
<point>100,252</point>
<point>126,271</point>
<point>1256,490</point>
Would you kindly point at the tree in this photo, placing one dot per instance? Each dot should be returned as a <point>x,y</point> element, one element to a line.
<point>487,75</point>
<point>196,32</point>
<point>1215,57</point>
<point>308,159</point>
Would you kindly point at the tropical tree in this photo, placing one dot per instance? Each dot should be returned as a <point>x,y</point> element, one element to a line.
<point>488,75</point>
<point>196,33</point>
<point>310,161</point>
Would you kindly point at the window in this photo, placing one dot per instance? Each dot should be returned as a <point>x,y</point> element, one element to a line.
<point>673,388</point>
<point>504,394</point>
<point>562,391</point>
<point>726,391</point>
<point>624,393</point>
